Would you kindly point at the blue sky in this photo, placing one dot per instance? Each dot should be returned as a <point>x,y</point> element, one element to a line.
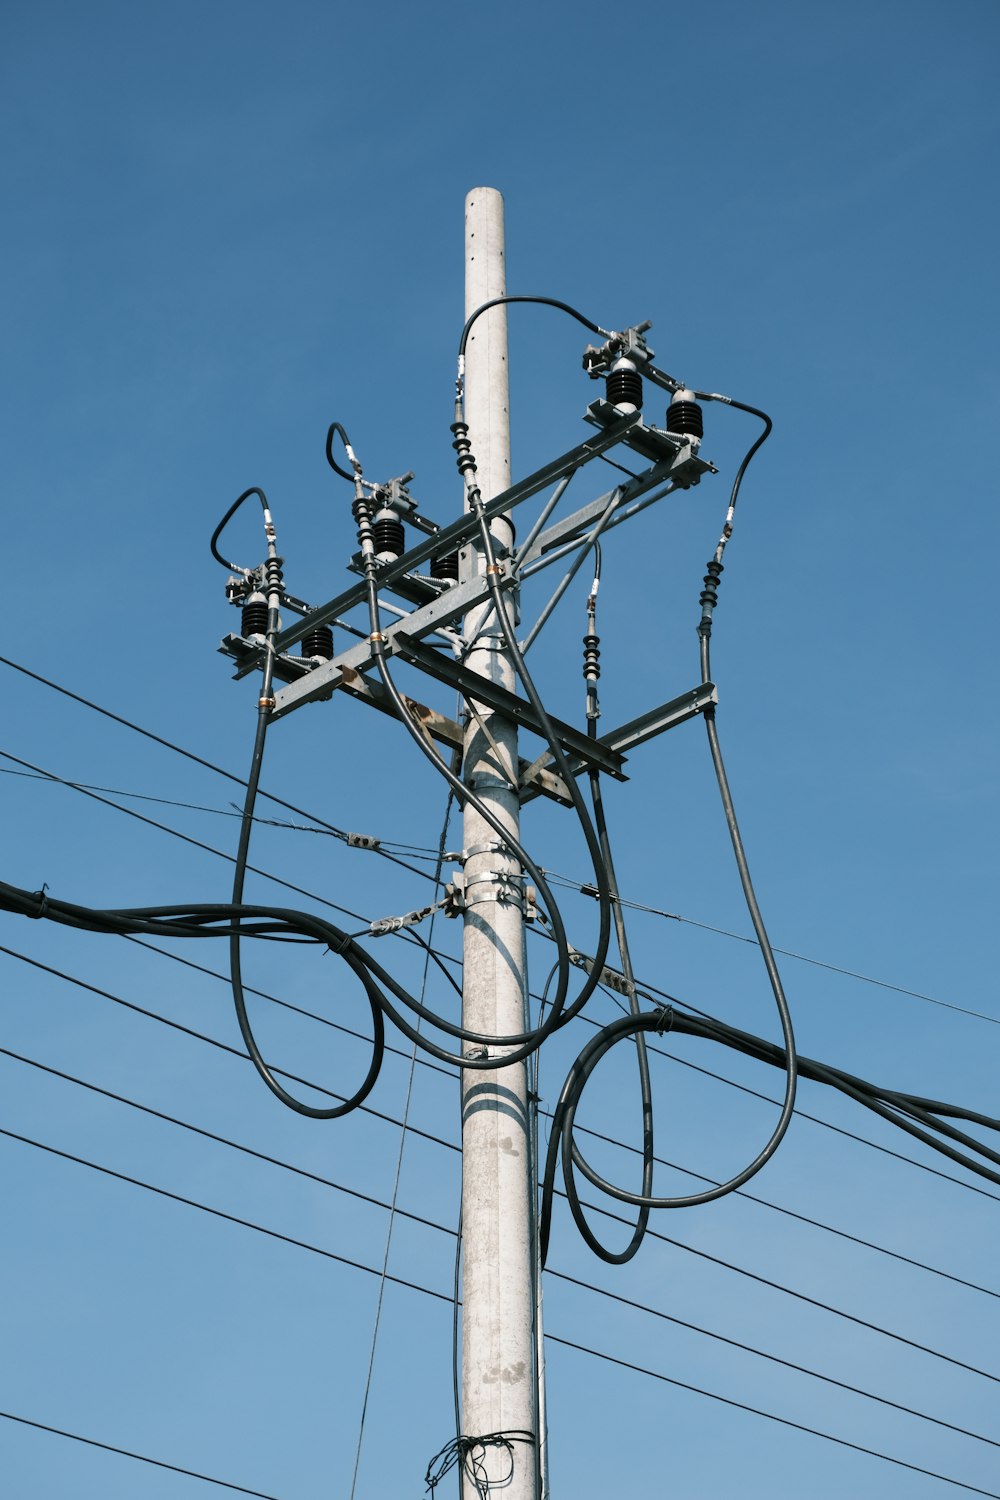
<point>226,226</point>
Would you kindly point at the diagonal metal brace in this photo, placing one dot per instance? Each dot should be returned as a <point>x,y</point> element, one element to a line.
<point>471,685</point>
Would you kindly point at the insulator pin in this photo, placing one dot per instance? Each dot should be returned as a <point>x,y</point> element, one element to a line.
<point>318,642</point>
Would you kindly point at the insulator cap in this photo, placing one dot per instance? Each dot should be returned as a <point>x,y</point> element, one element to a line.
<point>318,642</point>
<point>254,615</point>
<point>623,387</point>
<point>445,567</point>
<point>388,535</point>
<point>684,414</point>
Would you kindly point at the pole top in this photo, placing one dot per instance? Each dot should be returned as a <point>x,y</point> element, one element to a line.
<point>481,193</point>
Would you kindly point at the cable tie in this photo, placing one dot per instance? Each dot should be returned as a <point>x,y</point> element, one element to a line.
<point>43,904</point>
<point>665,1020</point>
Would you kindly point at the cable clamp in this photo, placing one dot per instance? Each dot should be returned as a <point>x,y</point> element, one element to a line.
<point>500,893</point>
<point>477,783</point>
<point>267,702</point>
<point>454,895</point>
<point>43,904</point>
<point>494,877</point>
<point>664,1019</point>
<point>383,926</point>
<point>494,846</point>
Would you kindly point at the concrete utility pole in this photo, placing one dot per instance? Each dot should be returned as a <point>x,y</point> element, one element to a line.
<point>498,1384</point>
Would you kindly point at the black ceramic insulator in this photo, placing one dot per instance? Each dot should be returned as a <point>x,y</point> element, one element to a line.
<point>389,536</point>
<point>318,642</point>
<point>254,617</point>
<point>445,567</point>
<point>624,388</point>
<point>591,657</point>
<point>685,417</point>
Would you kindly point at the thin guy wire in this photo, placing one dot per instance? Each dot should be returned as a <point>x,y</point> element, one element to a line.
<point>569,884</point>
<point>442,844</point>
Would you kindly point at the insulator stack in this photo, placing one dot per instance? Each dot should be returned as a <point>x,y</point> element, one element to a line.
<point>623,387</point>
<point>445,567</point>
<point>684,415</point>
<point>318,642</point>
<point>591,657</point>
<point>254,616</point>
<point>388,536</point>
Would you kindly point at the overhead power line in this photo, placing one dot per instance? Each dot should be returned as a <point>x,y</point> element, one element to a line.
<point>771,1416</point>
<point>201,1036</point>
<point>142,1458</point>
<point>654,1234</point>
<point>438,1140</point>
<point>788,1364</point>
<point>393,1207</point>
<point>448,1230</point>
<point>568,883</point>
<point>552,875</point>
<point>442,1297</point>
